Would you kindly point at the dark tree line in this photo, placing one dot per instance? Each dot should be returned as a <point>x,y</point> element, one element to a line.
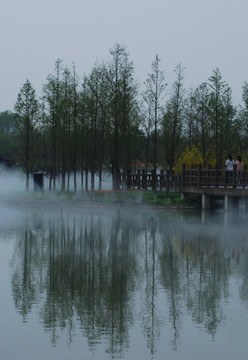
<point>104,122</point>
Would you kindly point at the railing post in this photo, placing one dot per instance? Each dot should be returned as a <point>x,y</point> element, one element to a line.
<point>161,179</point>
<point>129,182</point>
<point>216,175</point>
<point>144,179</point>
<point>138,179</point>
<point>168,183</point>
<point>209,168</point>
<point>183,175</point>
<point>234,175</point>
<point>154,180</point>
<point>199,175</point>
<point>172,180</point>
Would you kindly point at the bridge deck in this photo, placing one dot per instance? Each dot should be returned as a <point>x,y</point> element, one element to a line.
<point>221,191</point>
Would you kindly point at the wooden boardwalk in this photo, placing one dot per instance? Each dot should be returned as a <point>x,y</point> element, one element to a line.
<point>208,183</point>
<point>189,178</point>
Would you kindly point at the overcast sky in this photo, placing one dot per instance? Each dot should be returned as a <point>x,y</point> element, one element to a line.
<point>200,34</point>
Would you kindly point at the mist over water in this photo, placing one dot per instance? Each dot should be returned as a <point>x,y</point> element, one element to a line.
<point>123,283</point>
<point>13,181</point>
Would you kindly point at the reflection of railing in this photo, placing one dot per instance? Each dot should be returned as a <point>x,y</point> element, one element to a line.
<point>197,177</point>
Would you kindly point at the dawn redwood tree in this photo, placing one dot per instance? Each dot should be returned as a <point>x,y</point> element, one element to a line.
<point>93,115</point>
<point>7,135</point>
<point>153,95</point>
<point>122,111</point>
<point>65,143</point>
<point>53,97</point>
<point>229,136</point>
<point>201,97</point>
<point>173,119</point>
<point>190,125</point>
<point>218,90</point>
<point>27,111</point>
<point>146,128</point>
<point>130,118</point>
<point>104,100</point>
<point>75,100</point>
<point>115,68</point>
<point>97,115</point>
<point>196,121</point>
<point>82,129</point>
<point>242,120</point>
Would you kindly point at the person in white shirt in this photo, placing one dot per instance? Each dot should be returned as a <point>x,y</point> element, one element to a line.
<point>229,163</point>
<point>229,166</point>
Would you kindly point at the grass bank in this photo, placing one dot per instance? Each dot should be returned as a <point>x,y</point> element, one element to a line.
<point>133,197</point>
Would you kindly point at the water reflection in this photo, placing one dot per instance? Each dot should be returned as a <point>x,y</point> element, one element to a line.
<point>100,275</point>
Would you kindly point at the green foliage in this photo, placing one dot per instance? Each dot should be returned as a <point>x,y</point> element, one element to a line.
<point>161,198</point>
<point>172,123</point>
<point>7,135</point>
<point>27,114</point>
<point>221,115</point>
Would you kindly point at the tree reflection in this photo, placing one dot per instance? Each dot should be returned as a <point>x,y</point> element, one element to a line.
<point>207,281</point>
<point>151,318</point>
<point>86,271</point>
<point>27,272</point>
<point>88,277</point>
<point>195,273</point>
<point>172,281</point>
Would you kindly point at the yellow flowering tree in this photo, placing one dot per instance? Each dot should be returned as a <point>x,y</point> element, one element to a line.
<point>192,157</point>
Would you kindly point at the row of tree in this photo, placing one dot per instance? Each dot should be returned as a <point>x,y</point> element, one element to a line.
<point>106,122</point>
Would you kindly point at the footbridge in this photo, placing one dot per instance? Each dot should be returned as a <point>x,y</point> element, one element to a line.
<point>216,184</point>
<point>210,184</point>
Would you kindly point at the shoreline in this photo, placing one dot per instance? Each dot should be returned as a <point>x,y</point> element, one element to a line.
<point>85,204</point>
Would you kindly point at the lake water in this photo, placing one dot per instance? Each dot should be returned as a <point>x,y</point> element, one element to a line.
<point>124,284</point>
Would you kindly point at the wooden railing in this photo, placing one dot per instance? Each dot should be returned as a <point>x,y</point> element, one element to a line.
<point>145,181</point>
<point>198,177</point>
<point>218,178</point>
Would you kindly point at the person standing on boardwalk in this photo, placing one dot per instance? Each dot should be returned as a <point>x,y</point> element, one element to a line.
<point>229,166</point>
<point>239,164</point>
